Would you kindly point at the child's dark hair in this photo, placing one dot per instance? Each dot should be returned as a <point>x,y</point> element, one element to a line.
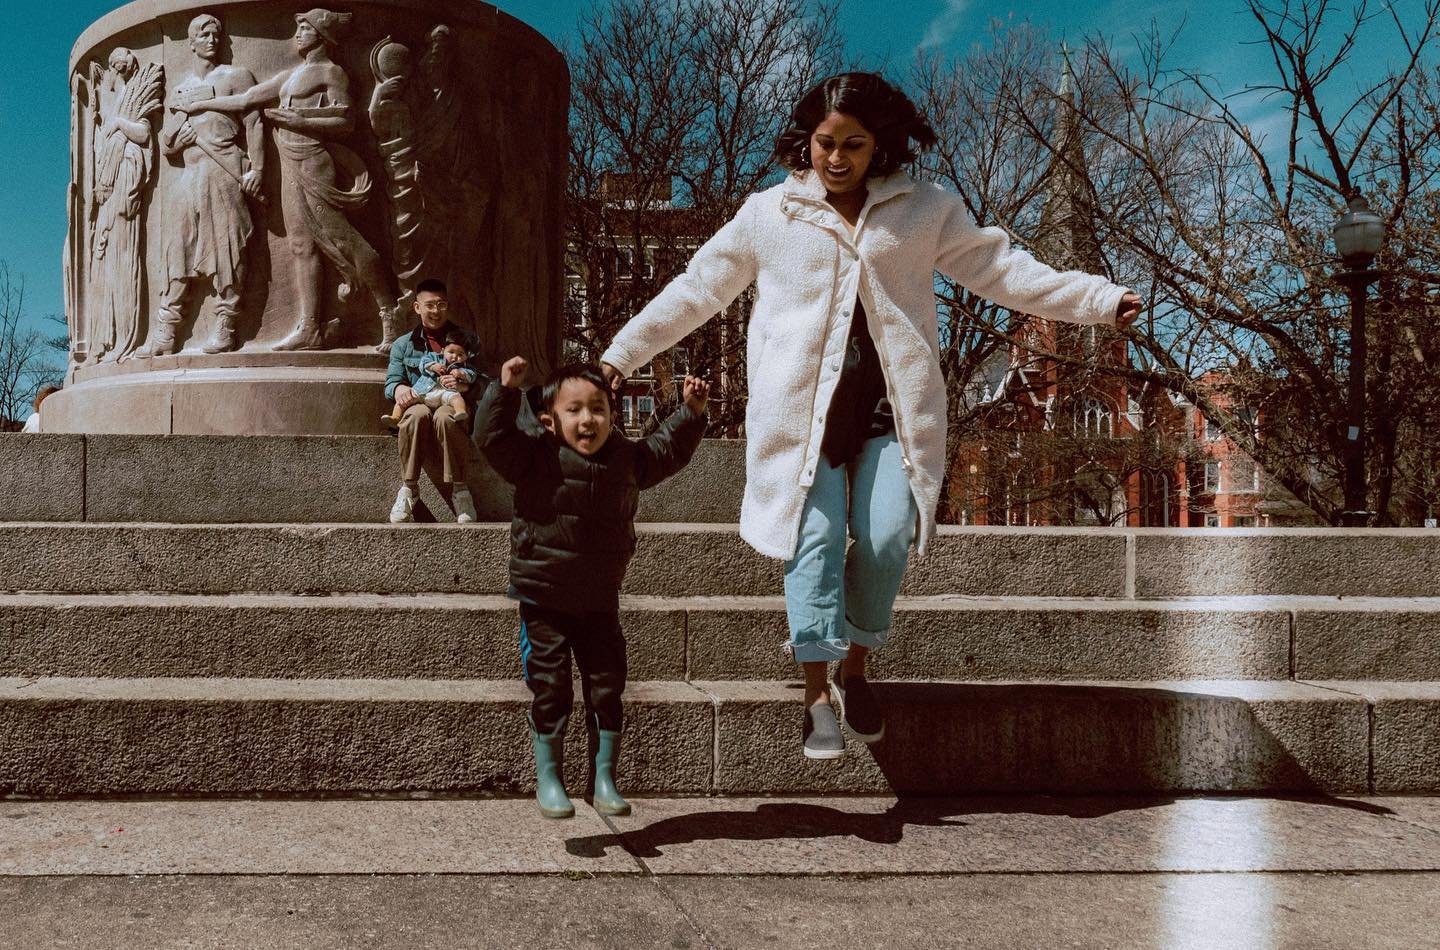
<point>589,372</point>
<point>884,111</point>
<point>457,338</point>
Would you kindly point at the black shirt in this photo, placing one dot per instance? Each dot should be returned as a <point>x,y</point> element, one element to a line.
<point>859,409</point>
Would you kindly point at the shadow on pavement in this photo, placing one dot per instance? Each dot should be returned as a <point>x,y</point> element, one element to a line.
<point>782,821</point>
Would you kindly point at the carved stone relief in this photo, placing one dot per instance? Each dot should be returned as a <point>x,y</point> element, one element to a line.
<point>124,163</point>
<point>209,225</point>
<point>307,108</point>
<point>178,223</point>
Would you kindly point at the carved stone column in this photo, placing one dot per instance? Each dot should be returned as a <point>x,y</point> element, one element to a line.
<point>257,187</point>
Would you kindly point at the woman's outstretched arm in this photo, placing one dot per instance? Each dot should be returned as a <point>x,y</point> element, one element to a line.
<point>984,261</point>
<point>722,268</point>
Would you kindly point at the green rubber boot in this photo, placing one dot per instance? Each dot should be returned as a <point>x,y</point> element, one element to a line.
<point>550,775</point>
<point>606,799</point>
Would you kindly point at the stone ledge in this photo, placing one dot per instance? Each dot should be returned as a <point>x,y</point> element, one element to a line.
<point>44,477</point>
<point>85,737</point>
<point>1398,643</point>
<point>671,560</point>
<point>1405,746</point>
<point>1069,738</point>
<point>1373,562</point>
<point>455,636</point>
<point>75,737</point>
<point>202,479</point>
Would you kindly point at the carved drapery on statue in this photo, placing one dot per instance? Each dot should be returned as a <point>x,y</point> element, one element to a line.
<point>184,241</point>
<point>129,96</point>
<point>439,179</point>
<point>209,223</point>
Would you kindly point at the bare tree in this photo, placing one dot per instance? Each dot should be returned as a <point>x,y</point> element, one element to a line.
<point>25,363</point>
<point>1226,232</point>
<point>676,105</point>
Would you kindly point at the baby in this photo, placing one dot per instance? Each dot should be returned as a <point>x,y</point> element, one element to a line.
<point>434,367</point>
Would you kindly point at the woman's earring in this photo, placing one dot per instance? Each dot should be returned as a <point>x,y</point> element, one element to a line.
<point>805,156</point>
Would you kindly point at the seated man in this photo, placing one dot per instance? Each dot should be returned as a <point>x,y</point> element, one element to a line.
<point>432,435</point>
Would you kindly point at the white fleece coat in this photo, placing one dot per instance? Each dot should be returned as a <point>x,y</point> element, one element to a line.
<point>808,269</point>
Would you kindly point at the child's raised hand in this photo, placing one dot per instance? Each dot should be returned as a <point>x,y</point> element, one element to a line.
<point>512,374</point>
<point>697,393</point>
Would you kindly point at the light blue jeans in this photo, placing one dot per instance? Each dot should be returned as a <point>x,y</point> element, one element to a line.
<point>833,599</point>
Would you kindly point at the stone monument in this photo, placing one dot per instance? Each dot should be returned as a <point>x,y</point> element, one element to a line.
<point>256,189</point>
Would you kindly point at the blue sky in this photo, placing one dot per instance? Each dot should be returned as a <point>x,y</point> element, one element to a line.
<point>36,37</point>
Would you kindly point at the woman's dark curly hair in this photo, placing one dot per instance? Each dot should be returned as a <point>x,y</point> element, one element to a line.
<point>883,110</point>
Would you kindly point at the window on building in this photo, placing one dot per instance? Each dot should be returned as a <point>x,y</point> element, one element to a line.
<point>644,407</point>
<point>1018,503</point>
<point>625,262</point>
<point>1212,520</point>
<point>1212,431</point>
<point>680,361</point>
<point>627,411</point>
<point>1212,478</point>
<point>1242,521</point>
<point>1155,500</point>
<point>1248,418</point>
<point>1135,414</point>
<point>1097,423</point>
<point>646,372</point>
<point>1244,474</point>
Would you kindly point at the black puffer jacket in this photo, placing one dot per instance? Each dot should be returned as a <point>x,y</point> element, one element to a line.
<point>573,530</point>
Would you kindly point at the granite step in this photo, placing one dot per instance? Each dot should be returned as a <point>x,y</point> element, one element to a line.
<point>687,560</point>
<point>677,560</point>
<point>213,736</point>
<point>464,636</point>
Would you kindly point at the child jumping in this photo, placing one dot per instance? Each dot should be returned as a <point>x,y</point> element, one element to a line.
<point>571,538</point>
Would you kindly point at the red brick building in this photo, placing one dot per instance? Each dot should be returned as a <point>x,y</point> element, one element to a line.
<point>1061,441</point>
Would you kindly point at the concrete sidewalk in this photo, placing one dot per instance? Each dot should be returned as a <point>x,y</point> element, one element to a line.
<point>797,872</point>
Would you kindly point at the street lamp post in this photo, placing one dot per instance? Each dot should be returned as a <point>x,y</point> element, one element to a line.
<point>1359,234</point>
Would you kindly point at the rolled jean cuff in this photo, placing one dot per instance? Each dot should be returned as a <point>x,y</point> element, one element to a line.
<point>817,651</point>
<point>869,639</point>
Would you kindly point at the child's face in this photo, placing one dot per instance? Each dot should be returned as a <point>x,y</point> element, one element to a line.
<point>580,416</point>
<point>455,353</point>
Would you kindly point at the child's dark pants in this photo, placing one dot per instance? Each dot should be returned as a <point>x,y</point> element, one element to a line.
<point>547,638</point>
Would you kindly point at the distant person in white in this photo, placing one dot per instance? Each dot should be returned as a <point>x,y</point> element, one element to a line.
<point>32,423</point>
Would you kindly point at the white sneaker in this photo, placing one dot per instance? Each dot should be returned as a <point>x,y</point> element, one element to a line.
<point>404,508</point>
<point>464,505</point>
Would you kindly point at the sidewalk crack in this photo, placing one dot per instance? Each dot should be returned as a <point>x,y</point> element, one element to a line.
<point>658,883</point>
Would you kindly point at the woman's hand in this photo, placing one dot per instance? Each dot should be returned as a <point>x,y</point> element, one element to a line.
<point>613,376</point>
<point>1128,311</point>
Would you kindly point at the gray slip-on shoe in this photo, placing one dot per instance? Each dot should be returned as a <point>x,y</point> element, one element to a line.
<point>859,707</point>
<point>822,736</point>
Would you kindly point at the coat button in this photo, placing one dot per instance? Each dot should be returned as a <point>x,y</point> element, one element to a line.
<point>834,366</point>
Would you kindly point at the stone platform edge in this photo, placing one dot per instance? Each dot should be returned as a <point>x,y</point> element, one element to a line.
<point>213,479</point>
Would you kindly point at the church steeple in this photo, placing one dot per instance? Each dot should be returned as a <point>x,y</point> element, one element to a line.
<point>1067,222</point>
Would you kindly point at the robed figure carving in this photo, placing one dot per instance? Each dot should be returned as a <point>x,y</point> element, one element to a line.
<point>208,218</point>
<point>439,184</point>
<point>127,96</point>
<point>310,107</point>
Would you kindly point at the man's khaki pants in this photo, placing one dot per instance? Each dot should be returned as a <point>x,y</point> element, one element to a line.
<point>428,436</point>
